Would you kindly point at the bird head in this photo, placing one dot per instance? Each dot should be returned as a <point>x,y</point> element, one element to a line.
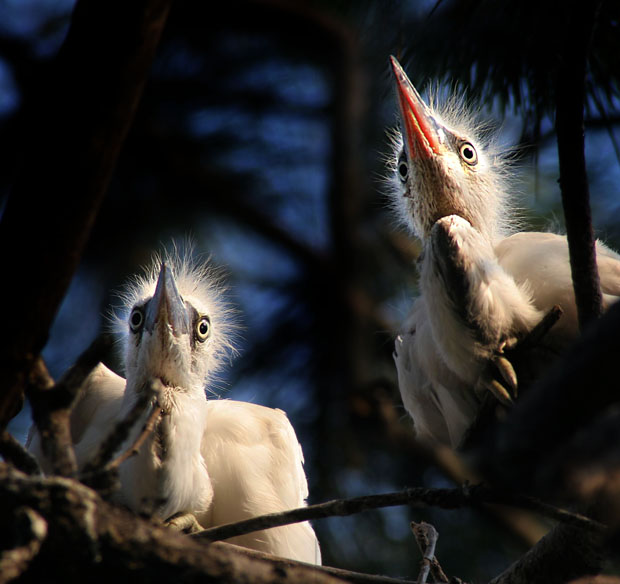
<point>173,326</point>
<point>441,168</point>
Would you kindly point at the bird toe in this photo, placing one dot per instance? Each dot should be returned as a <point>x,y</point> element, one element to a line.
<point>183,522</point>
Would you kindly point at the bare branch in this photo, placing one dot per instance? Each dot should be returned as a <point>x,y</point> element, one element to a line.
<point>120,432</point>
<point>347,575</point>
<point>536,335</point>
<point>86,104</point>
<point>565,553</point>
<point>417,497</point>
<point>52,402</point>
<point>570,103</point>
<point>51,414</point>
<point>111,543</point>
<point>426,536</point>
<point>13,452</point>
<point>30,531</point>
<point>522,524</point>
<point>148,427</point>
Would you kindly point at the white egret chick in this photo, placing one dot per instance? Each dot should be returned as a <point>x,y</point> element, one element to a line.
<point>219,460</point>
<point>482,284</point>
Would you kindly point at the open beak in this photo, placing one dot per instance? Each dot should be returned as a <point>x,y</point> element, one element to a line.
<point>167,306</point>
<point>419,127</point>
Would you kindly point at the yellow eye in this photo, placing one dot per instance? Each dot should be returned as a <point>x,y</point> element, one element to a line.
<point>468,153</point>
<point>203,328</point>
<point>136,319</point>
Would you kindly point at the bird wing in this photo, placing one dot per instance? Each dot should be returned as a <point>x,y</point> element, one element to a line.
<point>256,466</point>
<point>439,414</point>
<point>97,410</point>
<point>93,415</point>
<point>609,272</point>
<point>540,261</point>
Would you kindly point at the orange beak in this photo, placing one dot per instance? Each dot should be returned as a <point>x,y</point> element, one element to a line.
<point>419,127</point>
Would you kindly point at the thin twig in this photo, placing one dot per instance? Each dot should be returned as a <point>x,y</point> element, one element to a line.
<point>13,452</point>
<point>121,431</point>
<point>535,336</point>
<point>148,427</point>
<point>426,537</point>
<point>467,496</point>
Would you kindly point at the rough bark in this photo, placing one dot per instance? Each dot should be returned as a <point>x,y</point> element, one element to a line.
<point>51,405</point>
<point>107,543</point>
<point>352,577</point>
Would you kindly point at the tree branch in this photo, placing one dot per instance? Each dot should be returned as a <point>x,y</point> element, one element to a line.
<point>352,577</point>
<point>133,450</point>
<point>52,402</point>
<point>565,553</point>
<point>100,472</point>
<point>426,536</point>
<point>30,530</point>
<point>399,437</point>
<point>51,411</point>
<point>109,543</point>
<point>86,106</point>
<point>570,102</point>
<point>555,409</point>
<point>14,453</point>
<point>417,497</point>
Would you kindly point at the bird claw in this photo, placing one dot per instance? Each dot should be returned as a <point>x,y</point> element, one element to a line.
<point>183,522</point>
<point>499,391</point>
<point>505,386</point>
<point>504,366</point>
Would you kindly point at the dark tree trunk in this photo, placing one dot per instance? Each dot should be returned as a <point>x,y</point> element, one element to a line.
<point>86,106</point>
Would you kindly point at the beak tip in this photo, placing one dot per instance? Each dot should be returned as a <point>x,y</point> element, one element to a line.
<point>418,122</point>
<point>396,67</point>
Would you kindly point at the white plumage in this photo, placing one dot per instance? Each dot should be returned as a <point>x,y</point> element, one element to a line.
<point>220,460</point>
<point>481,284</point>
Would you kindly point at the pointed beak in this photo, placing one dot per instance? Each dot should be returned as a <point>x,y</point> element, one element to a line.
<point>167,306</point>
<point>418,125</point>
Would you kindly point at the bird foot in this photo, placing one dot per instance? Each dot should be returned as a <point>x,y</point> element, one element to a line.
<point>504,387</point>
<point>183,522</point>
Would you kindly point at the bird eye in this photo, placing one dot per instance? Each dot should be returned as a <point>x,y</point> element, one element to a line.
<point>136,319</point>
<point>203,328</point>
<point>403,166</point>
<point>468,153</point>
<point>403,170</point>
